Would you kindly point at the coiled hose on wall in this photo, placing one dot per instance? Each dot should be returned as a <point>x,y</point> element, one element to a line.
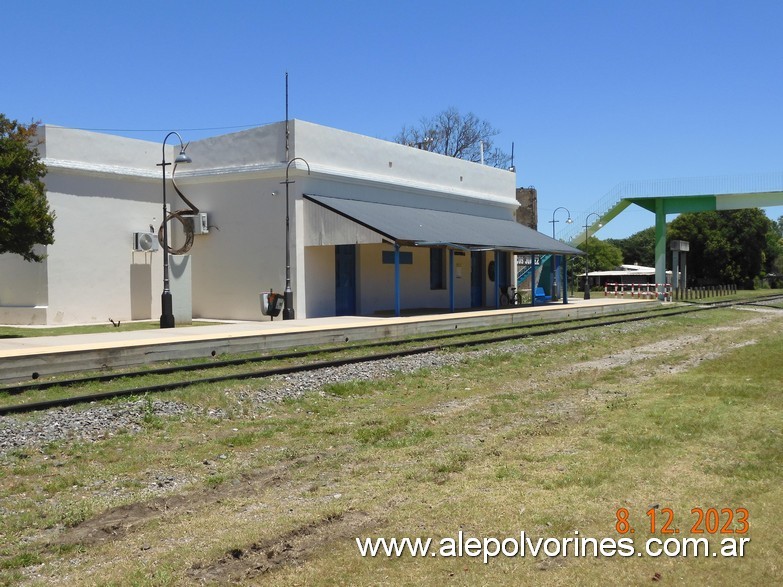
<point>180,215</point>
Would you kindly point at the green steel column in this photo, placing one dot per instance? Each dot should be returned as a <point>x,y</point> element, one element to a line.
<point>660,244</point>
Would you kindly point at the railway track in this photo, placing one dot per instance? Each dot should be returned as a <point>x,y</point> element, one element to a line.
<point>248,367</point>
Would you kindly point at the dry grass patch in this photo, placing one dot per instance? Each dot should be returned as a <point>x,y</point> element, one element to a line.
<point>500,444</point>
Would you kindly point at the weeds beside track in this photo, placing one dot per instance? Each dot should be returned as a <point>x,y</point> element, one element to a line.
<point>440,341</point>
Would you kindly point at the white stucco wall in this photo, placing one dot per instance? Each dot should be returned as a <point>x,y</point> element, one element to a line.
<point>28,285</point>
<point>79,150</point>
<point>371,169</point>
<point>93,272</point>
<point>103,188</point>
<point>320,289</point>
<point>244,252</point>
<point>23,290</point>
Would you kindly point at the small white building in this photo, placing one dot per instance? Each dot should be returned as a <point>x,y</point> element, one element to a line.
<point>363,197</point>
<point>624,274</point>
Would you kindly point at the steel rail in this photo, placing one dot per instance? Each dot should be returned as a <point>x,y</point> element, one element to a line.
<point>106,377</point>
<point>287,370</point>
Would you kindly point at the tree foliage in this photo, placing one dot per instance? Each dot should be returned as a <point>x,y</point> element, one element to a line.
<point>637,249</point>
<point>774,261</point>
<point>456,135</point>
<point>25,217</point>
<point>601,256</point>
<point>728,246</point>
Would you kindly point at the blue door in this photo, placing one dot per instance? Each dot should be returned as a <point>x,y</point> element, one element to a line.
<point>476,279</point>
<point>345,280</point>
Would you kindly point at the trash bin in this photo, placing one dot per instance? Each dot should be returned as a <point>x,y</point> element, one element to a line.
<point>271,303</point>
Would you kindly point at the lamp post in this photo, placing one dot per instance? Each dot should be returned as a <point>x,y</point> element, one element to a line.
<point>288,294</point>
<point>587,255</point>
<point>166,303</point>
<point>569,220</point>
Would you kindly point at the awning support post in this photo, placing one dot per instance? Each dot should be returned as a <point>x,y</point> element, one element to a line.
<point>397,279</point>
<point>565,280</point>
<point>532,279</point>
<point>451,280</point>
<point>497,285</point>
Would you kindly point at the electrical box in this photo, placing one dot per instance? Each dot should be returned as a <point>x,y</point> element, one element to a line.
<point>199,223</point>
<point>145,241</point>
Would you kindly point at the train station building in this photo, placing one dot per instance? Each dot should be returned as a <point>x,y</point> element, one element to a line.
<point>376,228</point>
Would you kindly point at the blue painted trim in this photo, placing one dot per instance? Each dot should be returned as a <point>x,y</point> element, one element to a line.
<point>497,283</point>
<point>451,280</point>
<point>397,280</point>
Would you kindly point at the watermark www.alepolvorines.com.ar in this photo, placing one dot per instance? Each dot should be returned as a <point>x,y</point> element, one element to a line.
<point>488,548</point>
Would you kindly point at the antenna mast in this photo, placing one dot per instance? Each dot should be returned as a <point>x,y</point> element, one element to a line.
<point>512,168</point>
<point>286,116</point>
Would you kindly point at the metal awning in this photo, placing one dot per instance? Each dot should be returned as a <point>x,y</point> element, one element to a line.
<point>405,225</point>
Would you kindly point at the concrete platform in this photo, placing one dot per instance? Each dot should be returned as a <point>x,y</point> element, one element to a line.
<point>28,358</point>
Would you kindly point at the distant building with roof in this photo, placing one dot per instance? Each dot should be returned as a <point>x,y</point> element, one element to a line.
<point>625,274</point>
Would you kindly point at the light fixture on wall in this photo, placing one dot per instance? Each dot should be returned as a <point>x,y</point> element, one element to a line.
<point>166,302</point>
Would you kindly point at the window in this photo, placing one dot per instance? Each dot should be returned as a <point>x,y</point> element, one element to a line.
<point>437,269</point>
<point>406,257</point>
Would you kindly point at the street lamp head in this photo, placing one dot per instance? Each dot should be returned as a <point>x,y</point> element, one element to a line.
<point>183,157</point>
<point>570,220</point>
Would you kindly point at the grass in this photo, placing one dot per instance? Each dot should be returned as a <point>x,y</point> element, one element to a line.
<point>492,447</point>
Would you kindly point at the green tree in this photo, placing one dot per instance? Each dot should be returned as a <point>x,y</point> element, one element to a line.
<point>773,262</point>
<point>25,217</point>
<point>456,135</point>
<point>727,246</point>
<point>601,256</point>
<point>639,248</point>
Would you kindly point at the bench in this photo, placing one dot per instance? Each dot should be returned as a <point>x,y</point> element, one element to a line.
<point>540,296</point>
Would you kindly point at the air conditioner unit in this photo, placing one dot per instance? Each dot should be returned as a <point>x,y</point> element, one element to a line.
<point>198,222</point>
<point>145,241</point>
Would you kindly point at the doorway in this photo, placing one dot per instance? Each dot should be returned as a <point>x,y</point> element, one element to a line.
<point>345,280</point>
<point>476,279</point>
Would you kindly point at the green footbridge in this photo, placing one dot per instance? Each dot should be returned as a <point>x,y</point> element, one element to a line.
<point>665,197</point>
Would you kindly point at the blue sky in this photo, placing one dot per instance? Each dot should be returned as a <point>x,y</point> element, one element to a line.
<point>591,93</point>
